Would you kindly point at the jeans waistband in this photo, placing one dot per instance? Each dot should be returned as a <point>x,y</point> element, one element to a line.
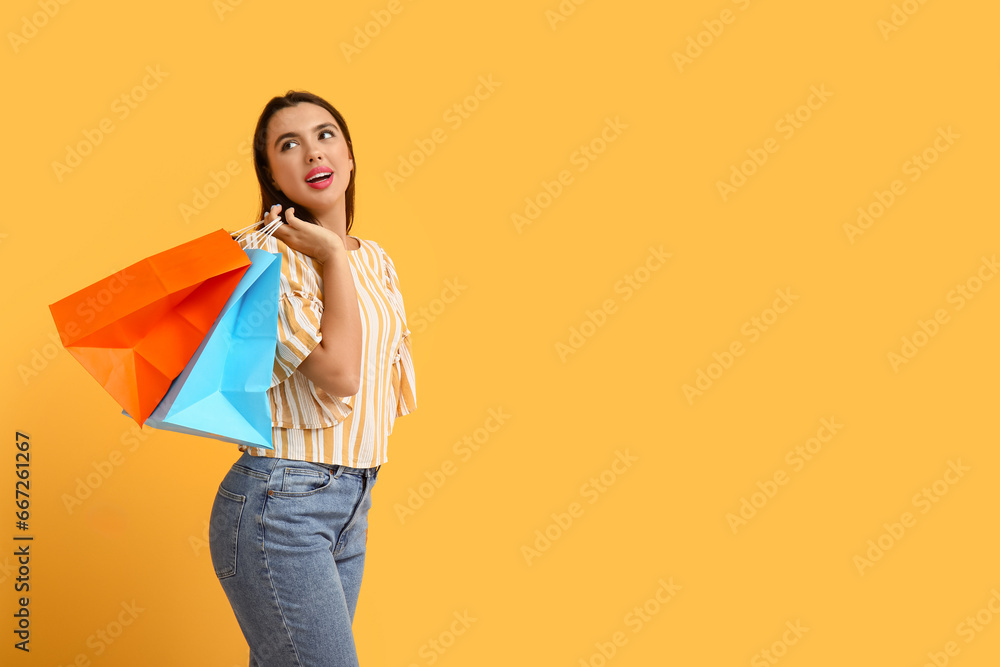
<point>339,470</point>
<point>268,464</point>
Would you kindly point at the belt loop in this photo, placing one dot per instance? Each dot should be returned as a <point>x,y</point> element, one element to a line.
<point>340,469</point>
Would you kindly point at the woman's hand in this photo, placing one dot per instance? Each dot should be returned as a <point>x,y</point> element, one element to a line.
<point>309,239</point>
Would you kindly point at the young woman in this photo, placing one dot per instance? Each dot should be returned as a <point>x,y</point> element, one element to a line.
<point>289,526</point>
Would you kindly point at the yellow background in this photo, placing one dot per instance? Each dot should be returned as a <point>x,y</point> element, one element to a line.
<point>139,537</point>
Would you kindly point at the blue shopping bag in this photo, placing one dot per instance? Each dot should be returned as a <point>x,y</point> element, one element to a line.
<point>222,392</point>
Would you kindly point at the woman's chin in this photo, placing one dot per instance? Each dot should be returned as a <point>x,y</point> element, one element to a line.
<point>322,206</point>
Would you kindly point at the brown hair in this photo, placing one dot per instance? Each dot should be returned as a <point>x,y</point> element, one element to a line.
<point>269,193</point>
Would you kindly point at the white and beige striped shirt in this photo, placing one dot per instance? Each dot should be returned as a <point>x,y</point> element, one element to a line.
<point>307,423</point>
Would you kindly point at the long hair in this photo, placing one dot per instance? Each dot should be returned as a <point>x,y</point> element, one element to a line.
<point>269,193</point>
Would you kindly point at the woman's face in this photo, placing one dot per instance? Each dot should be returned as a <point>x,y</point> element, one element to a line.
<point>304,142</point>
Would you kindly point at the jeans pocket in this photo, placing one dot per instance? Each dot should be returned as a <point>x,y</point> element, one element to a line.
<point>224,531</point>
<point>297,482</point>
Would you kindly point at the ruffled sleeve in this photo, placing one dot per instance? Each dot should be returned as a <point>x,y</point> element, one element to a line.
<point>403,378</point>
<point>300,312</point>
<point>298,333</point>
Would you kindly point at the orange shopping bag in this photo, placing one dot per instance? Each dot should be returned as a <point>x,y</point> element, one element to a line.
<point>135,331</point>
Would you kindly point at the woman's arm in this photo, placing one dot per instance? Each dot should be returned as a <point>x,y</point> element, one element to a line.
<point>335,364</point>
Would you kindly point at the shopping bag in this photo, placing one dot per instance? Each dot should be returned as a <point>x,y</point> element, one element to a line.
<point>136,330</point>
<point>222,392</point>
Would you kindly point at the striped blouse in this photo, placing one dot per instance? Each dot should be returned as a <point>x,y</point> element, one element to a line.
<point>308,424</point>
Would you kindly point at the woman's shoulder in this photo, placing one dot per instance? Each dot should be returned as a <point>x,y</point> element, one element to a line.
<point>384,263</point>
<point>376,247</point>
<point>369,242</point>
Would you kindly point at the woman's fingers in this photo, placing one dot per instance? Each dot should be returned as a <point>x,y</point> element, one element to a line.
<point>272,215</point>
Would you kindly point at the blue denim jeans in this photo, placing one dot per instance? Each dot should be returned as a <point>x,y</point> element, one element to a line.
<point>287,540</point>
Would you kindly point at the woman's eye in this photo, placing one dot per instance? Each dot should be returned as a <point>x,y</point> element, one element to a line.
<point>285,145</point>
